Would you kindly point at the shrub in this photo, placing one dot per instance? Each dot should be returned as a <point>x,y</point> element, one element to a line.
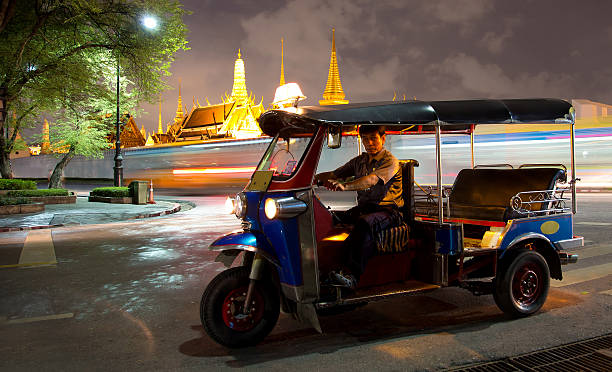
<point>13,201</point>
<point>115,192</point>
<point>41,192</point>
<point>16,184</point>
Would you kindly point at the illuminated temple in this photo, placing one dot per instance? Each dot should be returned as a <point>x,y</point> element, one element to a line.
<point>235,117</point>
<point>333,94</point>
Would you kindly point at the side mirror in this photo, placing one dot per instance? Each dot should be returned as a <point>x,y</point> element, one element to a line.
<point>334,136</point>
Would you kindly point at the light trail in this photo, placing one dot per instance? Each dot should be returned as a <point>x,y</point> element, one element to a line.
<point>214,170</point>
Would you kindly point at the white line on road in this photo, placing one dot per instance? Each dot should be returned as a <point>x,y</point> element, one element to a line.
<point>38,249</point>
<point>583,275</point>
<point>594,223</point>
<point>592,251</point>
<point>40,318</point>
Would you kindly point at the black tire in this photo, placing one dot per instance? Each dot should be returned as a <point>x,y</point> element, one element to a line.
<point>522,285</point>
<point>232,328</point>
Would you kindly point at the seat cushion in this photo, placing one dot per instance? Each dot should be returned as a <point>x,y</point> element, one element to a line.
<point>393,240</point>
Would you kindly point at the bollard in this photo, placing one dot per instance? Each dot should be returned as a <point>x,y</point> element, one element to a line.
<point>151,201</point>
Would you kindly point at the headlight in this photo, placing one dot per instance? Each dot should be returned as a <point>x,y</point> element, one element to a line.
<point>270,208</point>
<point>284,207</point>
<point>240,206</point>
<point>229,207</point>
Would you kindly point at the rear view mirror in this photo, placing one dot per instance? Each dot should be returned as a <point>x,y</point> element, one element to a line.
<point>334,136</point>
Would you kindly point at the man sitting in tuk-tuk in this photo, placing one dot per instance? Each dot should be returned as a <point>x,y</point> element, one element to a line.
<point>377,178</point>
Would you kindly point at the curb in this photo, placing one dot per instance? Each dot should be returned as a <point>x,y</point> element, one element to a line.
<point>177,208</point>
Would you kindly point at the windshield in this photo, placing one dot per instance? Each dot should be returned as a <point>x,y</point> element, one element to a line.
<point>283,156</point>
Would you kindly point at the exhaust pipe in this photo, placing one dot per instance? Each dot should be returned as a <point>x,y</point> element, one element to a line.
<point>567,258</point>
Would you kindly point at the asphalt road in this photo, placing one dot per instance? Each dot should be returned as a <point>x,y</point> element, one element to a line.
<point>125,296</point>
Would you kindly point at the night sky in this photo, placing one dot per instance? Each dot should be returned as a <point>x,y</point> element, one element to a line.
<point>430,49</point>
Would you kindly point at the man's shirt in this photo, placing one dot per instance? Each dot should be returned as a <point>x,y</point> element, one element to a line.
<point>388,190</point>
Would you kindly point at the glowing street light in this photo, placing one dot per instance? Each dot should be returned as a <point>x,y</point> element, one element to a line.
<point>149,22</point>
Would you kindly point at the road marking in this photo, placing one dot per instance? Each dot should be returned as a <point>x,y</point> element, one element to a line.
<point>608,292</point>
<point>592,251</point>
<point>29,264</point>
<point>40,318</point>
<point>38,249</point>
<point>582,275</point>
<point>594,223</point>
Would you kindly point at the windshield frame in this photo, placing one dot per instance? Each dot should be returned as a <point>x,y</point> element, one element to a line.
<point>269,153</point>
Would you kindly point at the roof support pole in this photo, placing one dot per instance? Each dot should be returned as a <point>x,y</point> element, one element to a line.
<point>472,144</point>
<point>439,172</point>
<point>573,163</point>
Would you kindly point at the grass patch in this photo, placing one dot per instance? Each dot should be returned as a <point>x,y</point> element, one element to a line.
<point>5,200</point>
<point>113,192</point>
<point>16,184</point>
<point>41,192</point>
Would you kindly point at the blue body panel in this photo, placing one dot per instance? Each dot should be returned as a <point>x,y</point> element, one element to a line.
<point>448,239</point>
<point>554,227</point>
<point>278,238</point>
<point>283,235</point>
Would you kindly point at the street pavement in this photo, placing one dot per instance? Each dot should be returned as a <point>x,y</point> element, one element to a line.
<point>125,296</point>
<point>37,248</point>
<point>84,212</point>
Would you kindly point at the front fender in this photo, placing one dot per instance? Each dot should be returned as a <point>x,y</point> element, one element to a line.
<point>232,244</point>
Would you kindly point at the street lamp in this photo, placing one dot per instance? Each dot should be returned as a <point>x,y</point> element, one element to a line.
<point>150,23</point>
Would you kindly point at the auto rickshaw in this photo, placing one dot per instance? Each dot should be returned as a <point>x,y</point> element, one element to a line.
<point>498,230</point>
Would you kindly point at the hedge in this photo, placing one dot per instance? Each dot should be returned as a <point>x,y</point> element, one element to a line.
<point>16,184</point>
<point>41,192</point>
<point>115,192</point>
<point>13,201</point>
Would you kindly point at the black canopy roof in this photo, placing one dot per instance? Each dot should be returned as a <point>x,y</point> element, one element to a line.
<point>450,115</point>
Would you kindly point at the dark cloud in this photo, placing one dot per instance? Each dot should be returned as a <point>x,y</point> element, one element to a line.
<point>435,49</point>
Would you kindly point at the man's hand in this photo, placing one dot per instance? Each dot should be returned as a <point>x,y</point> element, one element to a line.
<point>334,185</point>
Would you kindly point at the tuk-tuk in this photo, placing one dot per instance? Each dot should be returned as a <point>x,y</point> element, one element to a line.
<point>498,230</point>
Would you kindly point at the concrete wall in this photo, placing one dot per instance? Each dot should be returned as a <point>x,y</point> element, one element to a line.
<point>41,166</point>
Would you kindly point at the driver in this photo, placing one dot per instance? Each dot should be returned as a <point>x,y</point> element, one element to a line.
<point>377,178</point>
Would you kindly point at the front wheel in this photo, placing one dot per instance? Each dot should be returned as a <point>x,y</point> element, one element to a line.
<point>521,289</point>
<point>222,309</point>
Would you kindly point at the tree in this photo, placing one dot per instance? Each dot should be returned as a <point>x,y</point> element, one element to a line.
<point>85,115</point>
<point>51,49</point>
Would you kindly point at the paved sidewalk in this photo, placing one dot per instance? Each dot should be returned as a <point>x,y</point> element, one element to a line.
<point>84,212</point>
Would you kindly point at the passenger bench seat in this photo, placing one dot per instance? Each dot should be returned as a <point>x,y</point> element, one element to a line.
<point>484,194</point>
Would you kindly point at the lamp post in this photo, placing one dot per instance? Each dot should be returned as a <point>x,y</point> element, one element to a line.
<point>118,168</point>
<point>150,23</point>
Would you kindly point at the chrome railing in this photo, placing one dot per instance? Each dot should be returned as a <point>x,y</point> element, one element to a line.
<point>541,202</point>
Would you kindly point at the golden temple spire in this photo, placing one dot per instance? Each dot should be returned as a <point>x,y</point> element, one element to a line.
<point>45,147</point>
<point>179,110</point>
<point>333,94</point>
<point>282,77</point>
<point>239,91</point>
<point>159,123</point>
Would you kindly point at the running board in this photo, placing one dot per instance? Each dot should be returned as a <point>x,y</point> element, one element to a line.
<point>382,292</point>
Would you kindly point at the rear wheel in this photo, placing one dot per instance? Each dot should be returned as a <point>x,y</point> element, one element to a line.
<point>222,309</point>
<point>521,288</point>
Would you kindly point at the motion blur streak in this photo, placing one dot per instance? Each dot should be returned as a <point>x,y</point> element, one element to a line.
<point>214,170</point>
<point>217,166</point>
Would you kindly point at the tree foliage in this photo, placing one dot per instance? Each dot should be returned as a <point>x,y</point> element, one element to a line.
<point>57,53</point>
